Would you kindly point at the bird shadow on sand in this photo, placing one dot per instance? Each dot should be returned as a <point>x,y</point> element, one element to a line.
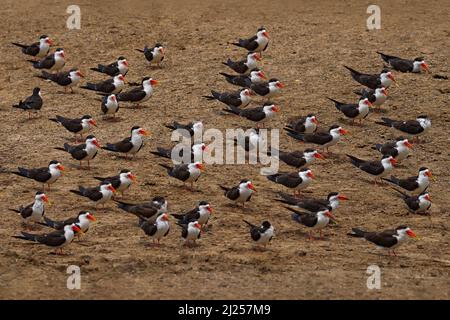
<point>112,119</point>
<point>26,120</point>
<point>379,110</point>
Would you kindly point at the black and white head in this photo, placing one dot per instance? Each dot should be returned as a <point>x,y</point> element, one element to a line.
<point>138,131</point>
<point>127,175</point>
<point>204,206</point>
<point>402,142</point>
<point>107,186</point>
<point>424,172</point>
<point>311,119</point>
<point>403,231</point>
<point>311,154</point>
<point>270,108</point>
<point>158,49</point>
<point>86,215</point>
<point>92,140</point>
<point>196,166</point>
<point>326,213</point>
<point>266,225</point>
<point>45,41</point>
<point>334,198</point>
<point>111,99</point>
<point>262,32</point>
<point>420,64</point>
<point>257,76</point>
<point>381,92</point>
<point>364,103</point>
<point>160,203</point>
<point>246,184</point>
<point>75,74</point>
<point>388,161</point>
<point>275,83</point>
<point>254,56</point>
<point>55,165</point>
<point>336,130</point>
<point>87,121</point>
<point>59,53</point>
<point>245,94</point>
<point>119,79</point>
<point>424,121</point>
<point>197,126</point>
<point>199,148</point>
<point>425,197</point>
<point>306,174</point>
<point>122,61</point>
<point>149,82</point>
<point>40,196</point>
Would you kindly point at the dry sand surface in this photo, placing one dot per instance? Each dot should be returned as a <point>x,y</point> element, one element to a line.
<point>310,41</point>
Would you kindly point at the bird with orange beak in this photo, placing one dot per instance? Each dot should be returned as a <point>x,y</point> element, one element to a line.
<point>83,152</point>
<point>405,65</point>
<point>257,43</point>
<point>313,220</point>
<point>66,79</point>
<point>130,145</point>
<point>38,49</point>
<point>57,239</point>
<point>294,180</point>
<point>185,172</point>
<point>415,184</point>
<point>46,176</point>
<point>98,195</point>
<point>115,68</point>
<point>268,89</point>
<point>121,182</point>
<point>33,212</point>
<point>244,66</point>
<point>156,230</point>
<point>190,232</point>
<point>140,94</point>
<point>388,239</point>
<point>83,220</point>
<point>77,126</point>
<point>240,193</point>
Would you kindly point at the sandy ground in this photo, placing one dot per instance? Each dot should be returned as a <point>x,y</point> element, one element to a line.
<point>310,41</point>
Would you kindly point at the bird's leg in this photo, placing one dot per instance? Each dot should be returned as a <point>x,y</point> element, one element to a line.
<point>89,165</point>
<point>321,234</point>
<point>81,166</point>
<point>48,186</point>
<point>393,251</point>
<point>71,89</point>
<point>310,236</point>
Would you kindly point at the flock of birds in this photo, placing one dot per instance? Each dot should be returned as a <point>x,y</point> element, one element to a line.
<point>153,218</point>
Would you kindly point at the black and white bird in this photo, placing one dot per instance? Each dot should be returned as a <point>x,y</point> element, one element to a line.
<point>259,114</point>
<point>256,43</point>
<point>298,180</point>
<point>323,139</point>
<point>313,220</point>
<point>46,176</point>
<point>83,220</point>
<point>57,239</point>
<point>182,153</point>
<point>140,94</point>
<point>113,85</point>
<point>373,81</point>
<point>156,230</point>
<point>110,105</point>
<point>331,203</point>
<point>200,213</point>
<point>377,97</point>
<point>77,126</point>
<point>376,168</point>
<point>185,172</point>
<point>405,65</point>
<point>32,103</point>
<point>246,65</point>
<point>388,239</point>
<point>53,62</point>
<point>130,145</point>
<point>255,76</point>
<point>302,124</point>
<point>38,49</point>
<point>155,54</point>
<point>190,232</point>
<point>413,128</point>
<point>297,159</point>
<point>416,204</point>
<point>121,182</point>
<point>115,68</point>
<point>415,184</point>
<point>86,151</point>
<point>240,193</point>
<point>98,195</point>
<point>354,111</point>
<point>268,89</point>
<point>238,99</point>
<point>249,141</point>
<point>263,234</point>
<point>399,149</point>
<point>35,211</point>
<point>66,79</point>
<point>149,210</point>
